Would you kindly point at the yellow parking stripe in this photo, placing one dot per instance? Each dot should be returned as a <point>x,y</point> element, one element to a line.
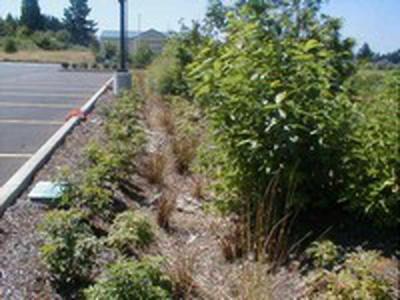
<point>31,122</point>
<point>36,105</point>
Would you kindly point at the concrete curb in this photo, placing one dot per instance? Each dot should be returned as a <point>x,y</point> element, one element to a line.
<point>23,177</point>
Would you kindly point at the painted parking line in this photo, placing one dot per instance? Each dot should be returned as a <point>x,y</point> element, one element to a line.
<point>32,122</point>
<point>79,83</point>
<point>61,95</point>
<point>15,155</point>
<point>50,88</point>
<point>36,105</point>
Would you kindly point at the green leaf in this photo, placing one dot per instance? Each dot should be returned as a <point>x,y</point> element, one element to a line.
<point>311,45</point>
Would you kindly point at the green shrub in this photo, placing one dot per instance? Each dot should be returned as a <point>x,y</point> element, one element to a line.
<point>167,73</point>
<point>10,46</point>
<point>375,161</point>
<point>143,56</point>
<point>65,65</point>
<point>70,247</point>
<point>108,52</point>
<point>130,230</point>
<point>84,65</point>
<point>357,279</point>
<point>64,38</point>
<point>47,41</point>
<point>277,105</point>
<point>131,280</point>
<point>324,254</point>
<point>95,189</point>
<point>109,166</point>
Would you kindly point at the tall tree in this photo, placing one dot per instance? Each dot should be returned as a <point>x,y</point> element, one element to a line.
<point>31,16</point>
<point>10,25</point>
<point>216,15</point>
<point>52,23</point>
<point>365,53</point>
<point>2,27</point>
<point>76,22</point>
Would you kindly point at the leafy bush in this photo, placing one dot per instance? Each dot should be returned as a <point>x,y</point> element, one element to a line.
<point>130,230</point>
<point>84,65</point>
<point>110,165</point>
<point>69,248</point>
<point>65,65</point>
<point>48,41</point>
<point>107,53</point>
<point>374,161</point>
<point>93,190</point>
<point>10,46</point>
<point>125,130</point>
<point>164,72</point>
<point>324,254</point>
<point>167,72</point>
<point>143,56</point>
<point>357,279</point>
<point>131,280</point>
<point>275,97</point>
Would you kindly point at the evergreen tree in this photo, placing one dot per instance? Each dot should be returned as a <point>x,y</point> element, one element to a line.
<point>10,25</point>
<point>30,15</point>
<point>76,22</point>
<point>51,23</point>
<point>365,53</point>
<point>2,27</point>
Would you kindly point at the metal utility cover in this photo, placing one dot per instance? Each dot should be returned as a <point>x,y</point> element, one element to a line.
<point>47,191</point>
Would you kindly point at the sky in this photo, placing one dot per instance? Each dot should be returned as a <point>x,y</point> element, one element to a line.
<point>376,22</point>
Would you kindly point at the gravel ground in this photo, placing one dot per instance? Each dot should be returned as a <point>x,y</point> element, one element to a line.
<point>21,274</point>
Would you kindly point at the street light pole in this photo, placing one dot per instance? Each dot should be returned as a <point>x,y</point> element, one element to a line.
<point>122,78</point>
<point>123,37</point>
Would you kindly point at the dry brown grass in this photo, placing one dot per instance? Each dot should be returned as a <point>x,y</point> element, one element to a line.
<point>41,56</point>
<point>198,187</point>
<point>231,239</point>
<point>254,283</point>
<point>185,150</point>
<point>261,232</point>
<point>166,119</point>
<point>181,270</point>
<point>153,167</point>
<point>159,116</point>
<point>166,208</point>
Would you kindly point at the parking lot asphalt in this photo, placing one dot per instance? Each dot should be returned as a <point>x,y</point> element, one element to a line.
<point>34,102</point>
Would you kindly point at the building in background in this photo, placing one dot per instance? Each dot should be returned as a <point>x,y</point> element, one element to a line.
<point>155,39</point>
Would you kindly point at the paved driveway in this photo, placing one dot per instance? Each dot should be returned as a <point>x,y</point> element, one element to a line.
<point>34,101</point>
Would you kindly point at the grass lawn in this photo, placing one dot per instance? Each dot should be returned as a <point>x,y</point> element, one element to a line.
<point>41,56</point>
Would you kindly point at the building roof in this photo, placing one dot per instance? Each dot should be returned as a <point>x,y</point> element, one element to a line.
<point>114,34</point>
